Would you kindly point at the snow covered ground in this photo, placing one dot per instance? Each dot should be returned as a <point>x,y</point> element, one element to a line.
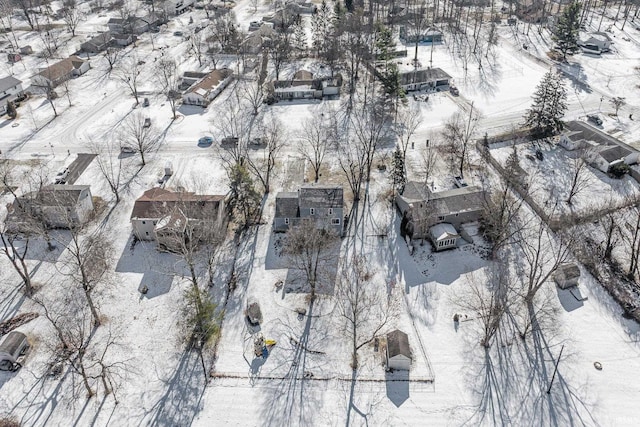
<point>453,380</point>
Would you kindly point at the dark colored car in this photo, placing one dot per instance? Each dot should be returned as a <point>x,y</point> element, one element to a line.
<point>205,141</point>
<point>594,118</point>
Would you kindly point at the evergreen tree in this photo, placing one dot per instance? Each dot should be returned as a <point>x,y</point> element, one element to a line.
<point>12,112</point>
<point>348,4</point>
<point>549,105</point>
<point>321,27</point>
<point>398,173</point>
<point>299,40</point>
<point>565,32</point>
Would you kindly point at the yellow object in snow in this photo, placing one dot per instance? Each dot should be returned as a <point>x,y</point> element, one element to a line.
<point>269,342</point>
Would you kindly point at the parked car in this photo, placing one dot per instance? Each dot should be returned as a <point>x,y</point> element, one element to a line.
<point>14,345</point>
<point>460,182</point>
<point>178,33</point>
<point>147,122</point>
<point>145,103</point>
<point>127,149</point>
<point>594,118</point>
<point>254,314</point>
<point>454,91</point>
<point>229,140</point>
<point>61,177</point>
<point>205,141</point>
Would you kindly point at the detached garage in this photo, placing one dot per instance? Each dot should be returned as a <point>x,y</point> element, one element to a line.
<point>398,351</point>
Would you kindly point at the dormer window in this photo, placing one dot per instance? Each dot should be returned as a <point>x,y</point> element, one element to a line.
<point>330,211</point>
<point>312,211</point>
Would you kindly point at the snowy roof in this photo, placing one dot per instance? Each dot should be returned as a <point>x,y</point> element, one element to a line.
<point>287,205</point>
<point>62,68</point>
<point>398,344</point>
<point>210,81</point>
<point>101,39</point>
<point>319,196</point>
<point>443,231</point>
<point>60,195</point>
<point>8,83</point>
<point>157,202</point>
<point>613,153</point>
<point>303,75</point>
<point>590,133</point>
<point>456,201</point>
<point>415,190</point>
<point>422,76</point>
<point>567,272</point>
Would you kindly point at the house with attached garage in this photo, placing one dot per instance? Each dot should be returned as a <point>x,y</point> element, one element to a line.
<point>161,215</point>
<point>55,206</point>
<point>422,208</point>
<point>598,42</point>
<point>60,72</point>
<point>208,88</point>
<point>323,204</point>
<point>425,79</point>
<point>10,89</point>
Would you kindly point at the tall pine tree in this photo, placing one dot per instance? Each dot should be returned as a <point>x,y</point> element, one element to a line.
<point>565,32</point>
<point>549,105</point>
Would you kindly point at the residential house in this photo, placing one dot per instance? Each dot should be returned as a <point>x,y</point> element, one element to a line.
<point>601,150</point>
<point>177,7</point>
<point>98,43</point>
<point>421,208</point>
<point>325,204</point>
<point>105,40</point>
<point>598,42</point>
<point>10,89</point>
<point>161,214</point>
<point>304,86</point>
<point>58,206</point>
<point>425,79</point>
<point>300,6</point>
<point>208,88</point>
<point>443,236</point>
<point>429,35</point>
<point>567,275</point>
<point>59,72</point>
<point>398,354</point>
<point>257,38</point>
<point>135,25</point>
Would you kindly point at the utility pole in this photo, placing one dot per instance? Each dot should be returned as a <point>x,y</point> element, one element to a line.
<point>553,377</point>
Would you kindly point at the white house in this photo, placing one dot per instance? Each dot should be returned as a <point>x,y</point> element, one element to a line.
<point>10,88</point>
<point>443,236</point>
<point>208,88</point>
<point>176,7</point>
<point>424,79</point>
<point>59,72</point>
<point>605,157</point>
<point>597,42</point>
<point>398,351</point>
<point>59,206</point>
<point>567,275</point>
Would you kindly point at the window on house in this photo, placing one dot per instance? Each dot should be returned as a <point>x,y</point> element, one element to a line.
<point>312,211</point>
<point>330,211</point>
<point>456,214</point>
<point>154,223</point>
<point>441,218</point>
<point>286,221</point>
<point>440,243</point>
<point>147,233</point>
<point>335,221</point>
<point>144,222</point>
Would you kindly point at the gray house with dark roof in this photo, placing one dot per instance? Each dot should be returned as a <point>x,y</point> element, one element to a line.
<point>423,208</point>
<point>424,79</point>
<point>325,204</point>
<point>10,89</point>
<point>398,351</point>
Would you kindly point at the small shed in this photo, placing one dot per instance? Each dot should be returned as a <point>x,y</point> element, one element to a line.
<point>567,275</point>
<point>12,347</point>
<point>443,236</point>
<point>398,351</point>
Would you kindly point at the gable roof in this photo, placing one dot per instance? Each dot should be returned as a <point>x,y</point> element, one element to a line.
<point>8,82</point>
<point>398,344</point>
<point>443,231</point>
<point>567,271</point>
<point>590,133</point>
<point>457,200</point>
<point>60,195</point>
<point>100,39</point>
<point>286,205</point>
<point>158,202</point>
<point>320,196</point>
<point>210,81</point>
<point>423,75</point>
<point>416,190</point>
<point>613,153</point>
<point>63,68</point>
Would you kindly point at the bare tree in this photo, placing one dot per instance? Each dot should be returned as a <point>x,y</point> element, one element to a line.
<point>501,219</point>
<point>112,54</point>
<point>307,246</point>
<point>273,140</point>
<point>234,123</point>
<point>254,94</point>
<point>244,200</point>
<point>16,252</point>
<point>70,15</point>
<point>581,178</point>
<point>318,135</point>
<point>364,307</point>
<point>279,52</point>
<point>112,167</point>
<point>197,45</point>
<point>406,125</point>
<point>6,20</point>
<point>617,103</point>
<point>428,160</point>
<point>128,72</point>
<point>417,20</point>
<point>457,136</point>
<point>168,79</point>
<point>139,135</point>
<point>369,126</point>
